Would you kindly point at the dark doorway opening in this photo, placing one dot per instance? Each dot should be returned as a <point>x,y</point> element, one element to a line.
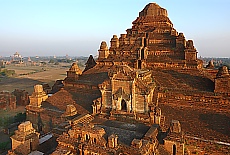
<point>142,53</point>
<point>139,64</point>
<point>123,105</point>
<point>86,137</point>
<point>145,42</point>
<point>174,149</point>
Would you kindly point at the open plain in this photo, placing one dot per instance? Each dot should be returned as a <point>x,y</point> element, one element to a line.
<point>28,76</point>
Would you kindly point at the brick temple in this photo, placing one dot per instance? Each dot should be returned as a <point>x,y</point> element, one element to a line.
<point>147,93</point>
<point>152,42</point>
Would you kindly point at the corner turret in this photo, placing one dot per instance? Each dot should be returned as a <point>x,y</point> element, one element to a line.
<point>222,81</point>
<point>74,72</point>
<point>38,96</point>
<point>103,51</point>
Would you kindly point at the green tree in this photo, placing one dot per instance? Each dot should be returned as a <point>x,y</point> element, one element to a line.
<point>8,73</point>
<point>56,63</point>
<point>20,117</point>
<point>4,145</point>
<point>51,61</point>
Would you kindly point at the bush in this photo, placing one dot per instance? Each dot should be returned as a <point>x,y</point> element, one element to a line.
<point>3,145</point>
<point>8,73</point>
<point>56,63</point>
<point>69,61</point>
<point>5,121</point>
<point>20,117</point>
<point>51,61</point>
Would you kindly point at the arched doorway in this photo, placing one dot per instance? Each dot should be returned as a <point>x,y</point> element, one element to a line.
<point>123,105</point>
<point>174,149</point>
<point>86,137</point>
<point>142,53</point>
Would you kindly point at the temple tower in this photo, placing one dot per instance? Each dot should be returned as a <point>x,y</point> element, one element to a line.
<point>114,43</point>
<point>74,72</point>
<point>210,65</point>
<point>190,51</point>
<point>38,96</point>
<point>222,81</point>
<point>34,108</point>
<point>25,139</point>
<point>103,51</point>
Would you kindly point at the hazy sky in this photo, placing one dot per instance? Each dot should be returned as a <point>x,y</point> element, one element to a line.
<point>77,27</point>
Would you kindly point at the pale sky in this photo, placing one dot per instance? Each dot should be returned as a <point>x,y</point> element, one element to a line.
<point>77,27</point>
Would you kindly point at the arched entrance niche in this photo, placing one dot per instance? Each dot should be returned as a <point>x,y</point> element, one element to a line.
<point>123,105</point>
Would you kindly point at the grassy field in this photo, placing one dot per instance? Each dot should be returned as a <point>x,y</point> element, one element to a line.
<point>28,76</point>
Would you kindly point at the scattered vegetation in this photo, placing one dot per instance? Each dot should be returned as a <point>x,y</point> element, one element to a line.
<point>2,64</point>
<point>60,60</point>
<point>7,73</point>
<point>4,145</point>
<point>52,61</point>
<point>7,120</point>
<point>56,63</point>
<point>20,117</point>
